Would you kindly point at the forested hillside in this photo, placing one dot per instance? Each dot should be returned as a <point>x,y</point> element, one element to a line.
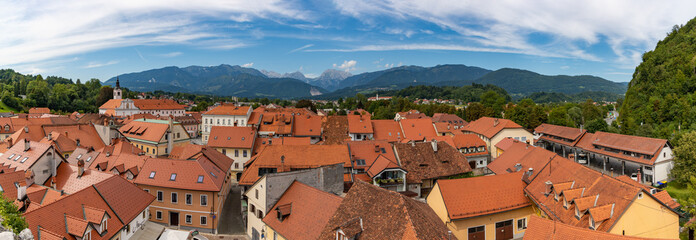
<point>661,97</point>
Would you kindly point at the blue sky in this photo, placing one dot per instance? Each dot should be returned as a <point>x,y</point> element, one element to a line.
<point>101,39</point>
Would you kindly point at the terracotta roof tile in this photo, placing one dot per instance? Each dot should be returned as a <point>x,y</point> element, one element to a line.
<point>307,126</point>
<point>642,145</point>
<point>7,183</point>
<point>417,129</point>
<point>229,110</point>
<point>359,124</point>
<point>540,228</point>
<point>389,130</point>
<point>384,214</point>
<point>601,213</point>
<point>125,199</point>
<point>295,157</point>
<point>525,155</point>
<point>569,133</point>
<point>231,137</point>
<point>369,151</point>
<point>467,141</point>
<point>146,129</point>
<point>261,142</point>
<point>184,172</point>
<point>335,129</point>
<point>476,196</point>
<point>185,151</point>
<point>661,195</point>
<point>67,178</point>
<point>449,118</point>
<point>489,127</point>
<point>304,211</point>
<point>39,110</point>
<point>22,160</point>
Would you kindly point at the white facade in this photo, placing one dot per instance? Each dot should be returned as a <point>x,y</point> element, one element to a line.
<point>128,108</point>
<point>360,136</point>
<point>256,209</point>
<point>208,121</point>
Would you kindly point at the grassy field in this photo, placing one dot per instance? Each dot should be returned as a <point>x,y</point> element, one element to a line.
<point>5,108</point>
<point>676,190</point>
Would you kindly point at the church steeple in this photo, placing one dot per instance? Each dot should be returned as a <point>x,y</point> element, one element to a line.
<point>117,90</point>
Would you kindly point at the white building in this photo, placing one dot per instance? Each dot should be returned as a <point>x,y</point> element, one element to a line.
<point>224,115</point>
<point>119,107</point>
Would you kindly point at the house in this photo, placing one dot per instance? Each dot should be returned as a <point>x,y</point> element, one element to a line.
<point>284,158</point>
<point>487,207</point>
<point>540,228</point>
<point>474,148</point>
<point>573,194</point>
<point>68,137</point>
<point>224,115</point>
<point>190,123</point>
<point>70,179</point>
<point>274,124</point>
<point>650,159</point>
<point>110,209</point>
<point>559,139</point>
<point>375,162</point>
<point>127,107</point>
<point>417,129</point>
<point>261,143</point>
<point>427,162</point>
<point>452,119</point>
<point>155,137</point>
<point>504,144</point>
<point>119,158</point>
<point>370,212</point>
<point>266,192</point>
<point>236,143</point>
<point>360,127</point>
<point>308,126</point>
<point>189,194</point>
<point>388,130</point>
<point>445,129</point>
<point>411,114</point>
<point>41,158</point>
<point>493,130</point>
<point>39,111</point>
<point>295,215</point>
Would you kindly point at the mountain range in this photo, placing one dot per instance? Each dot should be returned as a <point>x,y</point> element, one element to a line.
<point>226,80</point>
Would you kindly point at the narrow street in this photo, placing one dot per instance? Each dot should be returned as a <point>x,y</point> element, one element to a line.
<point>230,217</point>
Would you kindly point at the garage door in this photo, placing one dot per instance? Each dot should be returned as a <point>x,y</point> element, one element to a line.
<point>503,230</point>
<point>477,233</point>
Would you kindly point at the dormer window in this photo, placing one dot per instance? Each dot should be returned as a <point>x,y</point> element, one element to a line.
<point>88,235</point>
<point>360,162</point>
<point>103,225</point>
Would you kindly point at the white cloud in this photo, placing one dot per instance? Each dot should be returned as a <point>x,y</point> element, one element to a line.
<point>100,64</point>
<point>38,31</point>
<point>630,27</point>
<point>301,48</point>
<point>347,66</point>
<point>172,54</point>
<point>388,65</point>
<point>565,67</point>
<point>248,65</point>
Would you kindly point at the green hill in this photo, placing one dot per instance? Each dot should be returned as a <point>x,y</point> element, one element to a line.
<point>661,96</point>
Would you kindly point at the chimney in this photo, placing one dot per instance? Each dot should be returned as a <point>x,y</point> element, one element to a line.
<point>549,186</point>
<point>49,136</point>
<point>29,177</point>
<point>170,141</point>
<point>376,148</point>
<point>26,129</point>
<point>27,144</point>
<point>80,168</point>
<point>495,122</point>
<point>9,140</point>
<point>66,133</point>
<point>434,143</point>
<point>530,171</point>
<point>638,179</point>
<point>77,142</point>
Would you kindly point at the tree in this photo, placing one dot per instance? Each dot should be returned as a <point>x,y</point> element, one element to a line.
<point>684,158</point>
<point>37,93</point>
<point>304,103</point>
<point>597,125</point>
<point>476,111</point>
<point>575,114</point>
<point>559,116</point>
<point>105,94</point>
<point>689,202</point>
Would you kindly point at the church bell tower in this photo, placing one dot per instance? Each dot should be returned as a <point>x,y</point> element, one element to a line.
<point>117,90</point>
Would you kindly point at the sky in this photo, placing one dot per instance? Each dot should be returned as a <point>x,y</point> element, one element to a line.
<point>81,39</point>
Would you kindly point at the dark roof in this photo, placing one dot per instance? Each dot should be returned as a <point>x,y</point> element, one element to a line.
<point>376,213</point>
<point>422,162</point>
<point>335,129</point>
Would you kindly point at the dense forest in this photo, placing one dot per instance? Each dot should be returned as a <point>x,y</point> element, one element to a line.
<point>661,98</point>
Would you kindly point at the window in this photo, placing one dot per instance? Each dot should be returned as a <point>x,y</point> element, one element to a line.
<point>89,158</point>
<point>158,215</point>
<point>104,226</point>
<point>17,158</point>
<point>160,196</point>
<point>236,153</point>
<point>478,229</point>
<point>24,159</point>
<point>252,209</point>
<point>244,153</point>
<point>236,165</point>
<point>204,200</point>
<point>172,177</point>
<point>188,219</point>
<point>88,236</point>
<point>175,197</point>
<point>152,174</point>
<point>204,220</point>
<point>79,156</point>
<point>383,150</point>
<point>257,193</point>
<point>11,156</point>
<point>189,199</point>
<point>260,214</point>
<point>200,179</point>
<point>224,151</point>
<point>360,162</point>
<point>521,224</point>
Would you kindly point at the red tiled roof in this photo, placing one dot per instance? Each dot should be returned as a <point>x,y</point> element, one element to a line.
<point>525,155</point>
<point>379,165</point>
<point>260,143</point>
<point>145,130</point>
<point>389,130</point>
<point>67,179</point>
<point>185,151</point>
<point>276,123</point>
<point>308,125</point>
<point>369,151</point>
<point>295,157</point>
<point>467,141</point>
<point>661,195</point>
<point>335,129</point>
<point>228,110</point>
<point>359,124</point>
<point>18,155</point>
<point>417,129</point>
<point>572,134</point>
<point>308,210</point>
<point>476,196</point>
<point>443,127</point>
<point>231,137</point>
<point>125,199</point>
<point>506,143</point>
<point>145,104</point>
<point>384,214</point>
<point>447,139</point>
<point>39,110</point>
<point>642,145</point>
<point>489,127</point>
<point>540,228</point>
<point>86,133</point>
<point>449,118</point>
<point>7,183</point>
<point>187,173</point>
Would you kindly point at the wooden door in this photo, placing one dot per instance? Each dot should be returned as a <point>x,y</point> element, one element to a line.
<point>503,230</point>
<point>173,219</point>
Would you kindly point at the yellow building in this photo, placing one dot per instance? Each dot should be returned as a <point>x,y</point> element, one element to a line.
<point>488,207</point>
<point>155,137</point>
<point>235,142</point>
<point>573,194</point>
<point>494,130</point>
